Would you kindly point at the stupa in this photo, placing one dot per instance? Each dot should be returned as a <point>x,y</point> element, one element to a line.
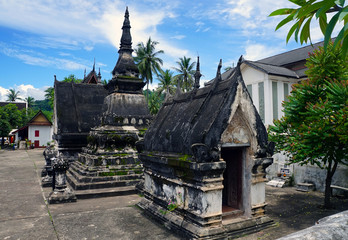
<point>110,158</point>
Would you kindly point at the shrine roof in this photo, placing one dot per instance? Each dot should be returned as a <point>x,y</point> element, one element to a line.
<point>199,116</point>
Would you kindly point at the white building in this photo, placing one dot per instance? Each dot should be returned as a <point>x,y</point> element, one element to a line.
<point>38,131</point>
<point>269,81</point>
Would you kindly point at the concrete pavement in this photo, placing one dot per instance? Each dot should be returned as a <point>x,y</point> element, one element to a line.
<point>24,213</point>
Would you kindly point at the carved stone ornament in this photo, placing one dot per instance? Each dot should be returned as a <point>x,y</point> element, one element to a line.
<point>202,153</point>
<point>59,164</point>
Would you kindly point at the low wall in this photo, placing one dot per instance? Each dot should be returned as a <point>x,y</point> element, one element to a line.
<point>308,173</point>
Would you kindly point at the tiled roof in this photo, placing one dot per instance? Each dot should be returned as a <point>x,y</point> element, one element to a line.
<point>20,105</point>
<point>296,55</point>
<point>272,70</point>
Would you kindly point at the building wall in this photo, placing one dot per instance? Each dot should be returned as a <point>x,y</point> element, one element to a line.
<point>45,134</point>
<point>264,89</point>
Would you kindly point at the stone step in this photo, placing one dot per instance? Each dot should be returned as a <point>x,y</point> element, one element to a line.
<point>228,212</point>
<point>109,192</point>
<point>94,179</point>
<point>305,187</point>
<point>83,171</point>
<point>277,182</point>
<point>98,185</point>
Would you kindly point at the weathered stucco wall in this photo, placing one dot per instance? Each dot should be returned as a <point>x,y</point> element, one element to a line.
<point>307,173</point>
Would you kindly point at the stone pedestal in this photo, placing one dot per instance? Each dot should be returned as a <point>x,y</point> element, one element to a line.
<point>47,171</point>
<point>61,193</point>
<point>22,145</point>
<point>186,196</point>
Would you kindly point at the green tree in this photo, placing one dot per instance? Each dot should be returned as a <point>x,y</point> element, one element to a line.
<point>43,105</point>
<point>49,95</point>
<point>154,102</point>
<point>186,71</point>
<point>314,129</point>
<point>72,78</point>
<point>148,61</point>
<point>13,95</point>
<point>30,101</point>
<point>304,14</point>
<point>166,82</point>
<point>5,126</point>
<point>14,116</point>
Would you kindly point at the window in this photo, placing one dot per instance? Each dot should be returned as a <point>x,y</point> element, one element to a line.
<point>37,133</point>
<point>261,101</point>
<point>275,99</point>
<point>250,90</point>
<point>286,91</point>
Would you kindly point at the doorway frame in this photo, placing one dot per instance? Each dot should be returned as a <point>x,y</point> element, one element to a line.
<point>227,210</point>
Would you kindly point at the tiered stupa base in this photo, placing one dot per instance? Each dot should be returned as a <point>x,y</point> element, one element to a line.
<point>109,165</point>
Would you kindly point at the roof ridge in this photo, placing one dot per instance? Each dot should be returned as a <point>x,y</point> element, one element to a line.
<point>291,50</point>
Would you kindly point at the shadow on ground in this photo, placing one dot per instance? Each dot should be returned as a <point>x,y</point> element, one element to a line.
<point>293,211</point>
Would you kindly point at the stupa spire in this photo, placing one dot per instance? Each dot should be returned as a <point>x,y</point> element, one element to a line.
<point>125,76</point>
<point>126,39</point>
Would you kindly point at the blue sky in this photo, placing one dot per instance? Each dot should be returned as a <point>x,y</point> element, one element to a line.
<point>40,39</point>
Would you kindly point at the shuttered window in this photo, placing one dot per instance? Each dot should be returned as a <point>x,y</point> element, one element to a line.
<point>286,91</point>
<point>250,90</point>
<point>261,101</point>
<point>275,99</point>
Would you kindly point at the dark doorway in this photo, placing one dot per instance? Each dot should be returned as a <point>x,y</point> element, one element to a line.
<point>233,181</point>
<point>36,143</point>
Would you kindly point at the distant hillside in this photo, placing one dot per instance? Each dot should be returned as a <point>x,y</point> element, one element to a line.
<point>43,105</point>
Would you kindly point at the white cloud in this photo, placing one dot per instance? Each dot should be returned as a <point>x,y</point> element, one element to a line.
<point>258,51</point>
<point>38,59</point>
<point>81,24</point>
<point>3,93</point>
<point>24,92</point>
<point>248,16</point>
<point>152,86</point>
<point>178,37</point>
<point>31,91</point>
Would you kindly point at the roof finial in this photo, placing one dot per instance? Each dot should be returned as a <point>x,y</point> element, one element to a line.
<point>55,78</point>
<point>99,75</point>
<point>197,74</point>
<point>218,74</point>
<point>94,65</point>
<point>84,74</point>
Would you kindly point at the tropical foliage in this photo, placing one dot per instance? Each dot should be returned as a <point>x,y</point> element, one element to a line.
<point>72,78</point>
<point>314,129</point>
<point>30,101</point>
<point>10,118</point>
<point>166,82</point>
<point>148,61</point>
<point>186,70</point>
<point>13,95</point>
<point>49,96</point>
<point>154,102</point>
<point>306,11</point>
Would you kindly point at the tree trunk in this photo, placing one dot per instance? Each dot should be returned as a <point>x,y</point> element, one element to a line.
<point>329,175</point>
<point>147,92</point>
<point>2,142</point>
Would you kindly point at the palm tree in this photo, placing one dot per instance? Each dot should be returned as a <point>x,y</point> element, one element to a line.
<point>147,61</point>
<point>13,95</point>
<point>165,82</point>
<point>50,96</point>
<point>30,101</point>
<point>186,71</point>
